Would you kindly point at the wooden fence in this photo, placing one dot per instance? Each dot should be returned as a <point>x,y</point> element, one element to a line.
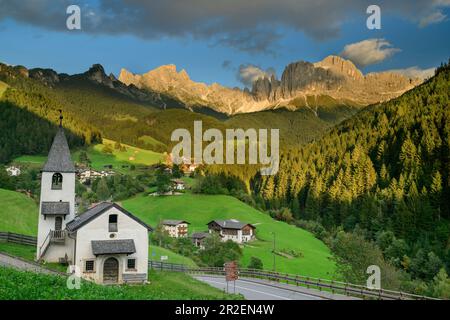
<point>297,280</point>
<point>166,266</point>
<point>18,238</point>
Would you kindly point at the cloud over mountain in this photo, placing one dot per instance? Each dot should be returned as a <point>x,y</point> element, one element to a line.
<point>370,51</point>
<point>248,73</point>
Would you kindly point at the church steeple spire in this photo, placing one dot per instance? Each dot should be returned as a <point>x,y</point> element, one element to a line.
<point>59,159</point>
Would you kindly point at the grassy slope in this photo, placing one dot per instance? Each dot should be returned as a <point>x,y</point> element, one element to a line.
<point>99,159</point>
<point>200,209</point>
<point>17,285</point>
<point>151,141</point>
<point>18,213</point>
<point>141,156</point>
<point>156,252</point>
<point>18,250</point>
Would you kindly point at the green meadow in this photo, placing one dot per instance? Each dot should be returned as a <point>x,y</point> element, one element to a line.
<point>312,258</point>
<point>120,160</point>
<point>155,253</point>
<point>18,213</point>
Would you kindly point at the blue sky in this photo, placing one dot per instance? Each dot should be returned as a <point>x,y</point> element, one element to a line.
<point>30,41</point>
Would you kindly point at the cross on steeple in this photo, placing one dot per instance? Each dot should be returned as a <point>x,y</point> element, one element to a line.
<point>60,118</point>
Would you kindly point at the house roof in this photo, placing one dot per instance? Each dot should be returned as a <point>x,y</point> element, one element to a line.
<point>55,208</point>
<point>199,235</point>
<point>173,222</point>
<point>96,211</point>
<point>231,224</point>
<point>59,159</point>
<point>125,246</point>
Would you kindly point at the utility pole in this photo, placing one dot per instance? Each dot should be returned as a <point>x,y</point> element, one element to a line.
<point>273,251</point>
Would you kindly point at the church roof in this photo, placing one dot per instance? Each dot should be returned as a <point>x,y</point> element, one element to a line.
<point>59,159</point>
<point>125,246</point>
<point>55,208</point>
<point>96,211</point>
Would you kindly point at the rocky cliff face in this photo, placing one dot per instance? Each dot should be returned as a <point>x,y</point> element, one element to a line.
<point>302,84</point>
<point>334,77</point>
<point>166,79</point>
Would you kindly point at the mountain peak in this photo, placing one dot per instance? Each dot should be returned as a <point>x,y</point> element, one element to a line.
<point>340,66</point>
<point>96,73</point>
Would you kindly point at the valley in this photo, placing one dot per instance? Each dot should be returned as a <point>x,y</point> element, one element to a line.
<point>352,174</point>
<point>314,257</point>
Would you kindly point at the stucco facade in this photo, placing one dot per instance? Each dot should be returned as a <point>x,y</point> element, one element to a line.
<point>176,229</point>
<point>97,229</point>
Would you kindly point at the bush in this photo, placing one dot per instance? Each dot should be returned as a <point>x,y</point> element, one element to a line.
<point>216,252</point>
<point>255,263</point>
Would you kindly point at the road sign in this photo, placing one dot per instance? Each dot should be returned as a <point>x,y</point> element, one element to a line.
<point>163,258</point>
<point>231,271</point>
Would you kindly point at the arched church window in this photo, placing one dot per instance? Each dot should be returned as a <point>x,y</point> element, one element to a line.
<point>57,180</point>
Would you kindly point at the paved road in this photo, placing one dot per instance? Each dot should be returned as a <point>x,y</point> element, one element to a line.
<point>14,262</point>
<point>257,289</point>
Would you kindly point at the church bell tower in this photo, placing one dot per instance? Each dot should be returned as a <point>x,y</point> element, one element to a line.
<point>57,202</point>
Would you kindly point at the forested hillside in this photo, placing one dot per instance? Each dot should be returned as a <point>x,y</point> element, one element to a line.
<point>384,172</point>
<point>92,110</point>
<point>29,115</point>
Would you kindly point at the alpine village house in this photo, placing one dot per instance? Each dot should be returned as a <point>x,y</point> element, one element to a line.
<point>175,228</point>
<point>233,230</point>
<point>107,244</point>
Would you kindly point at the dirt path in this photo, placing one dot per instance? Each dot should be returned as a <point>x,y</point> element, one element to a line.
<point>18,263</point>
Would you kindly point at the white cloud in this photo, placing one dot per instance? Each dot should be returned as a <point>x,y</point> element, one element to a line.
<point>415,72</point>
<point>370,51</point>
<point>249,73</point>
<point>433,17</point>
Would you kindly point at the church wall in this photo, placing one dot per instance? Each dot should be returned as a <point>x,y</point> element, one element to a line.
<point>97,229</point>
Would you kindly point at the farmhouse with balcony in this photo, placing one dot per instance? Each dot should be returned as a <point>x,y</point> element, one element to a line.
<point>107,244</point>
<point>198,239</point>
<point>234,230</point>
<point>175,228</point>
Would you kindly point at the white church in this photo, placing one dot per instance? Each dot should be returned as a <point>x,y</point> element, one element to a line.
<point>107,244</point>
